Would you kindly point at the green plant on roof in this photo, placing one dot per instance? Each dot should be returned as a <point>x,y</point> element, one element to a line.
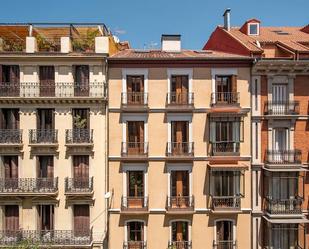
<point>85,43</point>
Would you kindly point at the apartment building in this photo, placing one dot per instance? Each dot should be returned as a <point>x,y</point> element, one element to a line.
<point>179,148</point>
<point>280,148</point>
<point>52,134</point>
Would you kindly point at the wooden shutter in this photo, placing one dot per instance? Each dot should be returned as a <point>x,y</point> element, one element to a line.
<point>10,167</point>
<point>50,166</point>
<point>11,218</point>
<point>13,116</point>
<point>179,231</point>
<point>234,83</point>
<point>81,219</point>
<point>14,74</point>
<point>81,166</point>
<point>2,119</point>
<point>129,83</point>
<point>47,81</point>
<point>179,183</point>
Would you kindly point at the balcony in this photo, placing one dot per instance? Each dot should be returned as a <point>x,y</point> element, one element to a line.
<point>226,203</point>
<point>224,244</point>
<point>281,108</point>
<point>134,101</point>
<point>134,204</point>
<point>179,245</point>
<point>9,137</point>
<point>79,136</point>
<point>280,207</point>
<point>225,98</point>
<point>180,102</point>
<point>46,238</point>
<point>283,158</point>
<point>28,186</point>
<point>134,245</point>
<point>43,136</point>
<point>225,148</point>
<point>56,90</point>
<point>134,150</point>
<point>178,150</point>
<point>78,186</point>
<point>180,204</point>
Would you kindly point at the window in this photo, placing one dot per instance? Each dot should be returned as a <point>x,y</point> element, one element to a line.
<point>179,89</point>
<point>45,217</point>
<point>11,218</point>
<point>45,119</point>
<point>81,220</point>
<point>47,81</point>
<point>224,234</point>
<point>81,118</point>
<point>135,89</point>
<point>180,231</point>
<point>81,80</point>
<point>253,28</point>
<point>225,134</point>
<point>226,89</point>
<point>228,183</point>
<point>136,183</point>
<point>135,231</point>
<point>9,119</point>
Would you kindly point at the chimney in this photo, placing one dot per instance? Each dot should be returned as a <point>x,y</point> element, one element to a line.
<point>227,19</point>
<point>171,43</point>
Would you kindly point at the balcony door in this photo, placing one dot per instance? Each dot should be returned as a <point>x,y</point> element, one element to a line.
<point>45,217</point>
<point>180,234</point>
<point>45,172</point>
<point>9,119</point>
<point>81,171</point>
<point>45,119</point>
<point>135,89</point>
<point>135,189</point>
<point>11,217</point>
<point>135,233</point>
<point>180,89</point>
<point>81,80</point>
<point>9,80</point>
<point>11,172</point>
<point>47,81</point>
<point>81,119</point>
<point>81,220</point>
<point>180,137</point>
<point>180,189</point>
<point>281,145</point>
<point>224,235</point>
<point>135,137</point>
<point>226,89</point>
<point>285,236</point>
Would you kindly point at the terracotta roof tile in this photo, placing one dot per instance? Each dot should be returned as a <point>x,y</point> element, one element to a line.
<point>292,37</point>
<point>184,54</point>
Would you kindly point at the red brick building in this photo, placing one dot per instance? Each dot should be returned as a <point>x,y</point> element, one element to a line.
<point>280,127</point>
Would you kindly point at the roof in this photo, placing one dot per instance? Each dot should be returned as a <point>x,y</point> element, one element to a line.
<point>183,54</point>
<point>291,37</point>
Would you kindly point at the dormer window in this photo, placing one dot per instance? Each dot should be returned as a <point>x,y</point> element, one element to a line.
<point>253,29</point>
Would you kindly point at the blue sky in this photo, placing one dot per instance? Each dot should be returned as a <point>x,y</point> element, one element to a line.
<point>143,21</point>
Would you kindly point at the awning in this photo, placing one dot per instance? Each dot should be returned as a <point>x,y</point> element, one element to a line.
<point>284,170</point>
<point>287,220</point>
<point>227,167</point>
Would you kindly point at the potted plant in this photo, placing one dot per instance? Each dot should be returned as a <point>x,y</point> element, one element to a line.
<point>79,125</point>
<point>85,44</point>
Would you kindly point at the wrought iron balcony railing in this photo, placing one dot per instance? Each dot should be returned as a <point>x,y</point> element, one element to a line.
<point>224,244</point>
<point>43,136</point>
<point>139,149</point>
<point>9,89</point>
<point>134,99</point>
<point>284,206</point>
<point>134,245</point>
<point>225,98</point>
<point>281,108</point>
<point>79,136</point>
<point>78,185</point>
<point>46,237</point>
<point>225,148</point>
<point>225,202</point>
<point>183,149</point>
<point>180,203</point>
<point>11,136</point>
<point>180,99</point>
<point>134,203</point>
<point>179,245</point>
<point>54,89</point>
<point>28,185</point>
<point>283,156</point>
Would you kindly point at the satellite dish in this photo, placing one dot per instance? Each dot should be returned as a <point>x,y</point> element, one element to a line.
<point>116,39</point>
<point>107,195</point>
